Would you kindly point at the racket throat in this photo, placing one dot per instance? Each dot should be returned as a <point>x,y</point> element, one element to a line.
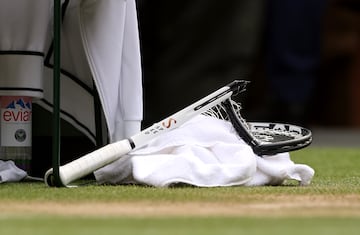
<point>241,127</point>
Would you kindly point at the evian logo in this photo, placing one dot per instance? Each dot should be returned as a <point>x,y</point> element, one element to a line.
<point>16,111</point>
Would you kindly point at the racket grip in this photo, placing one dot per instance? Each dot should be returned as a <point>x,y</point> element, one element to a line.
<point>90,162</point>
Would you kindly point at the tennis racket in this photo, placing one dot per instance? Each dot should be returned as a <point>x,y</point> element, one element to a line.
<point>264,138</point>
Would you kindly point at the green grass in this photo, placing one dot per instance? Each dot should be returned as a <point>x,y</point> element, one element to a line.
<point>174,226</point>
<point>336,169</point>
<point>337,174</point>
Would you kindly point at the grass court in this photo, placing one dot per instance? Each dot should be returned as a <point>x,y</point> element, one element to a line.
<point>330,205</point>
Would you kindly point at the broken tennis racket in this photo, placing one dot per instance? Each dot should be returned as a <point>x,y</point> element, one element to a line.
<point>264,138</point>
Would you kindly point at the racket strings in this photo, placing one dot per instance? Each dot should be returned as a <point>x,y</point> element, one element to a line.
<point>270,135</point>
<point>280,131</point>
<point>219,111</point>
<point>263,133</point>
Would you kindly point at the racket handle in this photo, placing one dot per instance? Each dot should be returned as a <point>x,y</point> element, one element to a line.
<point>90,162</point>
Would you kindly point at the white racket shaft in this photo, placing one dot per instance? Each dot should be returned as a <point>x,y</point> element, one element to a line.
<point>111,152</point>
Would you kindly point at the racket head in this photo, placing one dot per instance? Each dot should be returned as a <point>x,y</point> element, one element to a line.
<point>273,138</point>
<point>267,138</point>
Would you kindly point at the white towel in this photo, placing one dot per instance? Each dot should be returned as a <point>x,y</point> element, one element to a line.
<point>204,152</point>
<point>9,172</point>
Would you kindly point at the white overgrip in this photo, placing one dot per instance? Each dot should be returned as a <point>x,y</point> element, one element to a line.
<point>92,161</point>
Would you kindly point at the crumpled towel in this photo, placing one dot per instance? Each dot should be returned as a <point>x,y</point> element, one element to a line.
<point>9,172</point>
<point>204,152</point>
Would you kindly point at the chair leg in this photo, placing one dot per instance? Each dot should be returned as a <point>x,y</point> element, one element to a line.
<point>56,96</point>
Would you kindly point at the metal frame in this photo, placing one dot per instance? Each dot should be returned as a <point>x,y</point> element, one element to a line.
<point>56,122</point>
<point>56,96</point>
